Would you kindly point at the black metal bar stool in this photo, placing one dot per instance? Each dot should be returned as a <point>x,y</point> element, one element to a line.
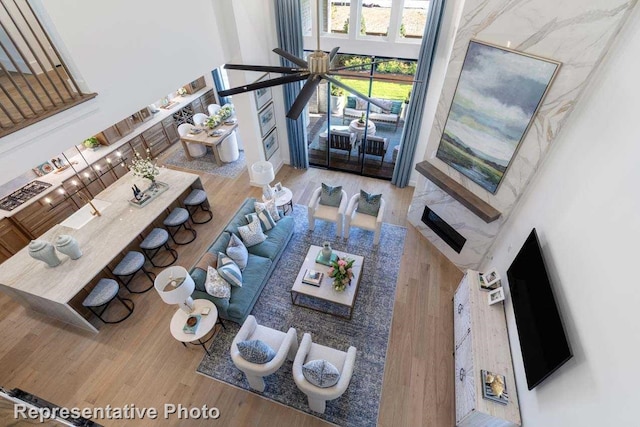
<point>102,294</point>
<point>197,199</point>
<point>132,263</point>
<point>156,240</point>
<point>179,217</point>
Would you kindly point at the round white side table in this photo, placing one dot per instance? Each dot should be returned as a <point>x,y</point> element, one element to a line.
<point>284,200</point>
<point>207,324</point>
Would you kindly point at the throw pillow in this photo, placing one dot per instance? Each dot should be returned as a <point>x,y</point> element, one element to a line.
<point>269,206</point>
<point>351,102</point>
<point>252,233</point>
<point>386,104</point>
<point>369,204</point>
<point>331,196</point>
<point>266,220</point>
<point>216,286</point>
<point>256,351</point>
<point>361,104</point>
<point>229,270</point>
<point>321,373</point>
<point>396,107</point>
<point>237,251</point>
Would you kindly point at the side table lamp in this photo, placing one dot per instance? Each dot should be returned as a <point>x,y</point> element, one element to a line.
<point>175,286</point>
<point>263,174</point>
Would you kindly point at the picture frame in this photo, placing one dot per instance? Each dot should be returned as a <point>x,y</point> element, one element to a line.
<point>262,96</point>
<point>278,187</point>
<point>490,280</point>
<point>267,119</point>
<point>270,144</point>
<point>496,100</point>
<point>43,169</point>
<point>489,382</point>
<point>496,295</point>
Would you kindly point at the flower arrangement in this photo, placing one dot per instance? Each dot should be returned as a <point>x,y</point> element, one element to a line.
<point>145,168</point>
<point>182,91</point>
<point>223,114</point>
<point>342,272</point>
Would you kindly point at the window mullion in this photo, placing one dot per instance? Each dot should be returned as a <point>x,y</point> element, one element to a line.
<point>397,6</point>
<point>354,19</point>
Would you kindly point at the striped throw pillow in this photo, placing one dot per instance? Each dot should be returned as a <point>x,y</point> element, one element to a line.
<point>229,270</point>
<point>266,220</point>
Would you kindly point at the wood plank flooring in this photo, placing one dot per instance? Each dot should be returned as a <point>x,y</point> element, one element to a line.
<point>138,362</point>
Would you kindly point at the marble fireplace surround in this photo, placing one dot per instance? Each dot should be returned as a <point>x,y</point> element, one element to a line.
<point>575,33</point>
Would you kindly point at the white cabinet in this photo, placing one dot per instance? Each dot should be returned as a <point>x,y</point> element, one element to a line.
<point>481,343</point>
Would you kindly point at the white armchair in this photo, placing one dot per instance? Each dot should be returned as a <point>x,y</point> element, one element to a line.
<point>327,213</point>
<point>353,218</point>
<point>199,119</point>
<point>344,362</point>
<point>213,109</point>
<point>195,150</point>
<point>285,346</point>
<point>228,148</point>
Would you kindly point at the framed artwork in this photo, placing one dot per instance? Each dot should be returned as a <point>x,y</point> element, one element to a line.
<point>263,96</point>
<point>498,95</point>
<point>496,296</point>
<point>267,119</point>
<point>270,144</point>
<point>278,187</point>
<point>43,169</point>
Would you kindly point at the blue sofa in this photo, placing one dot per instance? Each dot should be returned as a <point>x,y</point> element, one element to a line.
<point>262,260</point>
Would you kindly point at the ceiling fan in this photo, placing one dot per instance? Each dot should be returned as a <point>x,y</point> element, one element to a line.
<point>320,65</point>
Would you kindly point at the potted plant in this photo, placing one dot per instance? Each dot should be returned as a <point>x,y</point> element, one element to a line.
<point>337,100</point>
<point>92,143</point>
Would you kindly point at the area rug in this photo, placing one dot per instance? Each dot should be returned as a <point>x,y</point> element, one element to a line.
<point>207,163</point>
<point>368,330</point>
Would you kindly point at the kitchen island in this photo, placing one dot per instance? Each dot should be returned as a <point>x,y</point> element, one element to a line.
<point>50,290</point>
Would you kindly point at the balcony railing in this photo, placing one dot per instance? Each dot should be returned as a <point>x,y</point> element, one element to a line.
<point>35,83</point>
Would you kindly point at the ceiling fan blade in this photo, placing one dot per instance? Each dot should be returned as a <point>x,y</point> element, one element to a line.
<point>290,57</point>
<point>355,92</point>
<point>303,97</point>
<point>263,68</point>
<point>332,54</point>
<point>267,83</point>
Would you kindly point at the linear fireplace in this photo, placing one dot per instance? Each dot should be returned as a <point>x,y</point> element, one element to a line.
<point>444,230</point>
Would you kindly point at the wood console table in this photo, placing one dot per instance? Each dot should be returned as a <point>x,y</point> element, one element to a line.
<point>49,290</point>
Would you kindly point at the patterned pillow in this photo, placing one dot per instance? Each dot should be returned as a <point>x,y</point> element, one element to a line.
<point>256,351</point>
<point>266,220</point>
<point>361,104</point>
<point>229,270</point>
<point>216,286</point>
<point>369,204</point>
<point>269,206</point>
<point>237,251</point>
<point>331,196</point>
<point>252,233</point>
<point>321,373</point>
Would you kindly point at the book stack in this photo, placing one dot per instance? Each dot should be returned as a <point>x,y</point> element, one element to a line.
<point>312,277</point>
<point>192,323</point>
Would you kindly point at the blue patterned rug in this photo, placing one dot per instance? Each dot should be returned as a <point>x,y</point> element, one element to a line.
<point>207,163</point>
<point>368,330</point>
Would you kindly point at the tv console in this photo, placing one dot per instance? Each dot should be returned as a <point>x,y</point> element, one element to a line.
<point>481,343</point>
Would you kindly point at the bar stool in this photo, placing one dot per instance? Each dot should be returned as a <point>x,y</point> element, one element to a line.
<point>151,245</point>
<point>197,198</point>
<point>179,217</point>
<point>102,294</point>
<point>132,263</point>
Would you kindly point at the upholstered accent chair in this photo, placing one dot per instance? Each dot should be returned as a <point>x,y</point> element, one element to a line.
<point>315,210</point>
<point>195,150</point>
<point>213,109</point>
<point>341,141</point>
<point>199,119</point>
<point>228,148</point>
<point>343,361</point>
<point>284,344</point>
<point>353,218</point>
<point>375,146</point>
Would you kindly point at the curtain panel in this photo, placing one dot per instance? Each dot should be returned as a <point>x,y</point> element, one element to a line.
<point>289,29</point>
<point>413,119</point>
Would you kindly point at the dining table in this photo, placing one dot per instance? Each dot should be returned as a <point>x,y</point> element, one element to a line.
<point>210,137</point>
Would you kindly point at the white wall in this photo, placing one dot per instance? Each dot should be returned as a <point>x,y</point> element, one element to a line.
<point>585,205</point>
<point>130,53</point>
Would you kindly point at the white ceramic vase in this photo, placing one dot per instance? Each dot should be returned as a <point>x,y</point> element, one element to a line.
<point>44,251</point>
<point>69,246</point>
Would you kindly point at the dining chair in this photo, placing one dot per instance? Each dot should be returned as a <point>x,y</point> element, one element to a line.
<point>199,119</point>
<point>213,109</point>
<point>195,149</point>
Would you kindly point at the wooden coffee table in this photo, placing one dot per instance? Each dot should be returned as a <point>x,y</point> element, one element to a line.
<point>325,291</point>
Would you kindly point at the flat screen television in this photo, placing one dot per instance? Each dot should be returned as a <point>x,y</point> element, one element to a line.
<point>543,340</point>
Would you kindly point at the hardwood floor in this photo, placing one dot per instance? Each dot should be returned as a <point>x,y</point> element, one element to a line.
<point>138,362</point>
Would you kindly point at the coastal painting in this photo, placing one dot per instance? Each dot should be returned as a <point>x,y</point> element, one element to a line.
<point>497,97</point>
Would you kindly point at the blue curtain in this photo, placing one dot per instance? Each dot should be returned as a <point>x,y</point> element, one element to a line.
<point>413,118</point>
<point>289,28</point>
<point>219,84</point>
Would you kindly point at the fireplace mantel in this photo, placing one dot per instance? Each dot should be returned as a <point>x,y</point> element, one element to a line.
<point>476,205</point>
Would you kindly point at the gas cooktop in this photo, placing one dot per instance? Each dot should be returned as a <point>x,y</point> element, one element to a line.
<point>22,195</point>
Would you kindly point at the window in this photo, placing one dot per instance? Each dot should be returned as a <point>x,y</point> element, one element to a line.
<point>414,18</point>
<point>307,19</point>
<point>335,16</point>
<point>375,17</point>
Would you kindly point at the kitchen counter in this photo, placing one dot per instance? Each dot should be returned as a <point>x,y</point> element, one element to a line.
<point>56,179</point>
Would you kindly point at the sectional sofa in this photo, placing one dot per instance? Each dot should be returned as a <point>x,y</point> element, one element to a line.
<point>355,107</point>
<point>262,260</point>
